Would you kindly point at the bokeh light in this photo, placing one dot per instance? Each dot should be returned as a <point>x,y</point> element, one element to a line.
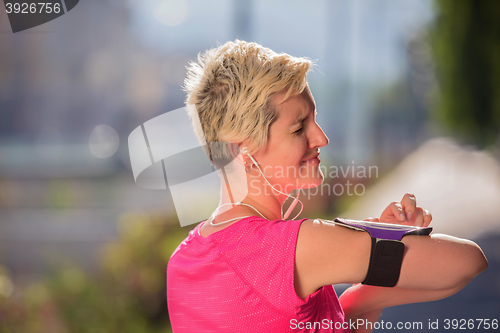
<point>171,12</point>
<point>104,141</point>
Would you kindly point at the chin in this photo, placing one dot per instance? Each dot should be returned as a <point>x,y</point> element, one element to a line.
<point>314,178</point>
<point>312,182</point>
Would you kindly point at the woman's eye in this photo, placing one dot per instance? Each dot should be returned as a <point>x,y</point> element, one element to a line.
<point>298,131</point>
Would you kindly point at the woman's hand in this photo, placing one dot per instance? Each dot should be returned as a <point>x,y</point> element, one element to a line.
<point>405,212</point>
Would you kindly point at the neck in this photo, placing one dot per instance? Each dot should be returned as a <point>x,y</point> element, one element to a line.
<point>259,195</point>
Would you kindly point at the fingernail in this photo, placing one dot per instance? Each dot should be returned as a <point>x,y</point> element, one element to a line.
<point>402,216</point>
<point>409,215</point>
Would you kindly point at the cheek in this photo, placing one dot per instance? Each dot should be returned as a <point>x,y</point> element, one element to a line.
<point>293,155</point>
<point>289,152</point>
<point>299,150</point>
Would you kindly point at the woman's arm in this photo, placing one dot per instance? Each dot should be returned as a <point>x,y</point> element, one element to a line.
<point>434,267</point>
<point>360,302</point>
<point>419,281</point>
<point>330,254</point>
<point>364,321</point>
<point>361,299</point>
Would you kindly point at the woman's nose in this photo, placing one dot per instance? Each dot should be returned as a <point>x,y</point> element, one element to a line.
<point>319,138</point>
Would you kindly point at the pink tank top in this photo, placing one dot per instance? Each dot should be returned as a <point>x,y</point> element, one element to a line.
<point>241,279</point>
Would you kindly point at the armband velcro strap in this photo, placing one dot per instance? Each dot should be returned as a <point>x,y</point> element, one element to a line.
<point>385,262</point>
<point>387,249</point>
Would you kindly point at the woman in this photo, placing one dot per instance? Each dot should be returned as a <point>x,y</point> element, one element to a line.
<point>247,268</point>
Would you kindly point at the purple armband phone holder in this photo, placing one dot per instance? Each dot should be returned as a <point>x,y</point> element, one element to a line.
<point>387,248</point>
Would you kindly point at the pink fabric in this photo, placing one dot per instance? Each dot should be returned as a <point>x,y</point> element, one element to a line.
<point>241,279</point>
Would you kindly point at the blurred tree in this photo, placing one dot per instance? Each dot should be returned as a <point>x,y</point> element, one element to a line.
<point>466,44</point>
<point>128,296</point>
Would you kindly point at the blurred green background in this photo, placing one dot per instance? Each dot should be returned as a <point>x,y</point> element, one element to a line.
<point>410,87</point>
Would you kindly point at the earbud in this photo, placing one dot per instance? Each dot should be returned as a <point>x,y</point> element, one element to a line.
<point>244,151</point>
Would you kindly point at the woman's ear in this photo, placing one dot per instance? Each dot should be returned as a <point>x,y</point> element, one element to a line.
<point>234,149</point>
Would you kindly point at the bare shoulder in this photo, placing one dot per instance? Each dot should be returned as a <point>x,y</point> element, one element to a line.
<point>328,254</point>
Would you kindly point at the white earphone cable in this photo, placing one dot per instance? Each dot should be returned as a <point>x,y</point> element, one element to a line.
<point>283,216</point>
<point>245,151</point>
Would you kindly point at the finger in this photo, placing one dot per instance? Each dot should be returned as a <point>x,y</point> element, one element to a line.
<point>368,219</point>
<point>397,210</point>
<point>376,219</point>
<point>427,218</point>
<point>419,217</point>
<point>409,203</point>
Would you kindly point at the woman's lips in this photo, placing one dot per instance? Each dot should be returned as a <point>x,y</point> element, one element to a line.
<point>314,161</point>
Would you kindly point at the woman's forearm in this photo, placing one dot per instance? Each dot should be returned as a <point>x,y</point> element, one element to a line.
<point>359,300</point>
<point>364,322</point>
<point>363,304</point>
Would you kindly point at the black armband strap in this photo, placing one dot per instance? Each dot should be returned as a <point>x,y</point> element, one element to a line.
<point>387,249</point>
<point>385,262</point>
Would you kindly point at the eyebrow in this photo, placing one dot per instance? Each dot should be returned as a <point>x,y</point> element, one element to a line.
<point>301,118</point>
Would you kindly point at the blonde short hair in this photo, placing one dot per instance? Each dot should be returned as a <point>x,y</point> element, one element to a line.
<point>229,89</point>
